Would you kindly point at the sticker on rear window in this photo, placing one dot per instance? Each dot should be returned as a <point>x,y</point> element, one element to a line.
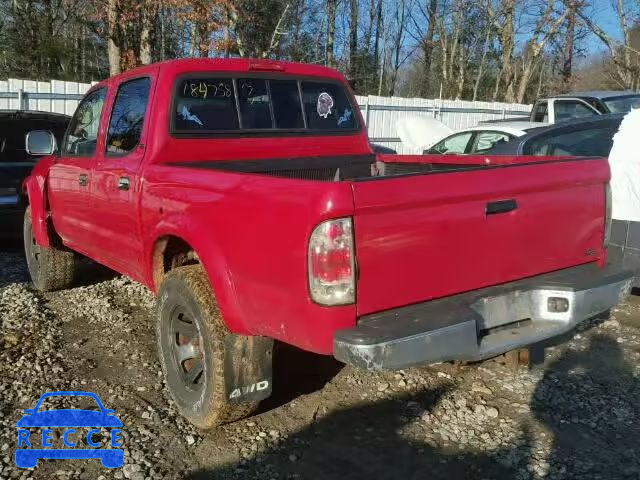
<point>325,104</point>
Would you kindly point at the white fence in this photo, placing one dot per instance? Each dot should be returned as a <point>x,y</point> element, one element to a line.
<point>381,113</point>
<point>54,96</point>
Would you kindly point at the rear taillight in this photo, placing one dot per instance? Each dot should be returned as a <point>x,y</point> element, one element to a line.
<point>332,263</point>
<point>607,215</point>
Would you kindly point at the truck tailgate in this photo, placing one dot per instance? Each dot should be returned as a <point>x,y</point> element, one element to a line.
<point>426,236</point>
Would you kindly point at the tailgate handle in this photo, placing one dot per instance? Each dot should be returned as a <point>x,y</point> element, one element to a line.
<point>502,206</point>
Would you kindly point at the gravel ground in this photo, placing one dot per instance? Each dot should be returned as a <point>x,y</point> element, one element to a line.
<point>575,416</point>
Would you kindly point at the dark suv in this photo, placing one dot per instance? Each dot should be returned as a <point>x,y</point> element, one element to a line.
<point>16,163</point>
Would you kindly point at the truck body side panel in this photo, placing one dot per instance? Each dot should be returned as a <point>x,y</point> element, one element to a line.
<point>251,234</point>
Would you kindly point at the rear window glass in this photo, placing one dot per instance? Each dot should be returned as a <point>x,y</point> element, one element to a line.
<point>253,97</point>
<point>327,106</point>
<point>207,104</point>
<point>286,104</point>
<point>212,105</point>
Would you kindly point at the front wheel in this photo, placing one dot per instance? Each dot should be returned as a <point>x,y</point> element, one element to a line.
<point>50,268</point>
<point>214,376</point>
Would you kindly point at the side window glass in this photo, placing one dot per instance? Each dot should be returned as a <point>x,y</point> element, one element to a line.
<point>253,98</point>
<point>82,135</point>
<point>286,104</point>
<point>453,144</point>
<point>565,109</point>
<point>595,141</point>
<point>540,112</point>
<point>127,116</point>
<point>486,140</point>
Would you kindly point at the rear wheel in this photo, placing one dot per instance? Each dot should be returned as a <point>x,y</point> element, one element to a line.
<point>200,358</point>
<point>50,268</point>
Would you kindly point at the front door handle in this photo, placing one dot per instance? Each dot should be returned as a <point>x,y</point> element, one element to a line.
<point>501,206</point>
<point>123,183</point>
<point>83,180</point>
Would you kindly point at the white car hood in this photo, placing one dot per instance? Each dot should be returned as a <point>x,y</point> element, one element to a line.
<point>624,162</point>
<point>419,133</point>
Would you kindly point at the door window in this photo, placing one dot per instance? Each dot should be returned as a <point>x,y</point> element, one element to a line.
<point>486,140</point>
<point>565,109</point>
<point>453,144</point>
<point>82,135</point>
<point>127,116</point>
<point>540,112</point>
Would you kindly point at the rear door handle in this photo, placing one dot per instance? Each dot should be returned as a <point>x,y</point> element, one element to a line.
<point>501,206</point>
<point>83,179</point>
<point>123,183</point>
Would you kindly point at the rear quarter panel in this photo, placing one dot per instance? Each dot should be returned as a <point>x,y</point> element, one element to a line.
<point>251,234</point>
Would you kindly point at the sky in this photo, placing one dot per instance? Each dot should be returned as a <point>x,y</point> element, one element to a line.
<point>606,17</point>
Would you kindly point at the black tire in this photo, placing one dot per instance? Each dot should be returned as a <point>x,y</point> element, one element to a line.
<point>193,359</point>
<point>50,268</point>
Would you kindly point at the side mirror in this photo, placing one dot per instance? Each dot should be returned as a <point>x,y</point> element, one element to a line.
<point>40,142</point>
<point>29,411</point>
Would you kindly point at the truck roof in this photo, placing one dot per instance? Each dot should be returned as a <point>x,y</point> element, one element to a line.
<point>597,94</point>
<point>187,65</point>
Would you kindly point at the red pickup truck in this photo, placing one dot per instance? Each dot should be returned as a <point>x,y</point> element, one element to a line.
<point>245,194</point>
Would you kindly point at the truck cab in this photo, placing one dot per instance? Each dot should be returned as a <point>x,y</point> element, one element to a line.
<point>583,104</point>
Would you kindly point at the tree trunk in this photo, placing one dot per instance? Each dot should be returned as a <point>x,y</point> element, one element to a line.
<point>507,41</point>
<point>145,35</point>
<point>353,39</point>
<point>376,45</point>
<point>427,46</point>
<point>567,63</point>
<point>113,37</point>
<point>331,32</point>
<point>483,61</point>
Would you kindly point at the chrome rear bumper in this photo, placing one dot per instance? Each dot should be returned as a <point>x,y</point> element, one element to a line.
<point>483,323</point>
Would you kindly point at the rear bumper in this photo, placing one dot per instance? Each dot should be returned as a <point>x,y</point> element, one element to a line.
<point>483,323</point>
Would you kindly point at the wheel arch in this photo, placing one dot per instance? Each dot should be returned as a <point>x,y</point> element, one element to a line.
<point>172,249</point>
<point>37,201</point>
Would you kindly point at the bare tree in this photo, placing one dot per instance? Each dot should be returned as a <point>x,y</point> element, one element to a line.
<point>331,31</point>
<point>353,38</point>
<point>507,40</point>
<point>545,29</point>
<point>113,37</point>
<point>624,56</point>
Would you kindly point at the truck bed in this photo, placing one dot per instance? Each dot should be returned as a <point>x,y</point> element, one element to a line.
<point>425,227</point>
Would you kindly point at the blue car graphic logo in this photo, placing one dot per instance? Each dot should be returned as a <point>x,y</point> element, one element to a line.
<point>28,457</point>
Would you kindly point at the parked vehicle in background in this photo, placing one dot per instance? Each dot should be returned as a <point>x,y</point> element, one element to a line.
<point>588,137</point>
<point>16,163</point>
<point>382,149</point>
<point>583,104</point>
<point>624,162</point>
<point>481,138</point>
<point>244,194</point>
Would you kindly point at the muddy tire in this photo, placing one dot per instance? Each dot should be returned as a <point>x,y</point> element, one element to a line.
<point>194,348</point>
<point>50,268</point>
